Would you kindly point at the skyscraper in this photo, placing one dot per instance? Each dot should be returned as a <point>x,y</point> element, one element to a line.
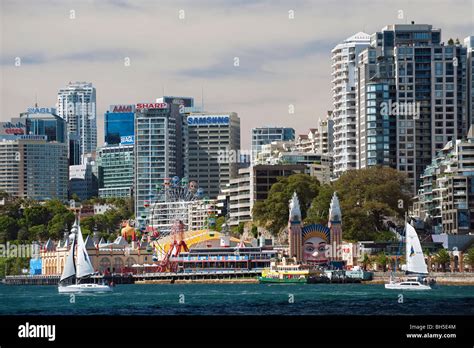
<point>469,44</point>
<point>344,59</point>
<point>211,138</point>
<point>156,155</point>
<point>410,98</point>
<point>77,105</point>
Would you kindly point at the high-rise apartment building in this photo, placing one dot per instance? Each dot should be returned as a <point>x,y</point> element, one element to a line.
<point>318,140</point>
<point>77,105</point>
<point>344,61</point>
<point>446,194</point>
<point>213,149</point>
<point>410,98</point>
<point>469,44</point>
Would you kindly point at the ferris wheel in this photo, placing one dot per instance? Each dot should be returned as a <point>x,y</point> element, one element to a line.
<point>168,219</point>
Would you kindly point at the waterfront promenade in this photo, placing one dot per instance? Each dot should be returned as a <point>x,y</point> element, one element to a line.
<point>224,276</point>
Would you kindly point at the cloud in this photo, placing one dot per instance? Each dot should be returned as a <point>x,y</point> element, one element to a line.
<point>282,61</point>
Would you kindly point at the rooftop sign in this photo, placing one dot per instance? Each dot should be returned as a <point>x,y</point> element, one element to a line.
<point>36,110</point>
<point>152,106</point>
<point>207,120</point>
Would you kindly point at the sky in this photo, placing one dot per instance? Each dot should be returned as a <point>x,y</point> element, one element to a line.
<point>139,50</point>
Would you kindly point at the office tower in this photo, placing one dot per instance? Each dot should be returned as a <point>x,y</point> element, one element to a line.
<point>156,154</point>
<point>213,150</point>
<point>265,135</point>
<point>77,105</point>
<point>115,170</point>
<point>31,167</point>
<point>185,105</point>
<point>411,92</point>
<point>119,125</point>
<point>469,44</point>
<point>45,121</point>
<point>344,60</point>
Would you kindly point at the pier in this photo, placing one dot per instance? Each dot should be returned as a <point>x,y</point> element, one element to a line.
<point>166,277</point>
<point>199,276</point>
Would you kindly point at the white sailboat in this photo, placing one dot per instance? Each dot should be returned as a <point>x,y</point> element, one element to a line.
<point>80,267</point>
<point>415,262</point>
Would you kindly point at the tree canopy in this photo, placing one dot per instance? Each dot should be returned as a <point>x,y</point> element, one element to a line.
<point>272,212</point>
<point>369,198</point>
<point>28,220</point>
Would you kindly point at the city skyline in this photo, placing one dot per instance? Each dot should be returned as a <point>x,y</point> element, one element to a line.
<point>287,62</point>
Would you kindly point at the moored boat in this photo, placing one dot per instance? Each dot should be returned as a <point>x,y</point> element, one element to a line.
<point>415,264</point>
<point>287,273</point>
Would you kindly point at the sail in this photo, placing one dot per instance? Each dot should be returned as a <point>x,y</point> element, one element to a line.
<point>69,267</point>
<point>414,254</point>
<point>83,262</point>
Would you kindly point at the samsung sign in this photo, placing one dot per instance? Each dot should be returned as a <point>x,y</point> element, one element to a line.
<point>208,120</point>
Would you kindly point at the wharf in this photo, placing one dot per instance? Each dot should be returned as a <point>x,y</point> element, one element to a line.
<point>54,279</point>
<point>224,276</point>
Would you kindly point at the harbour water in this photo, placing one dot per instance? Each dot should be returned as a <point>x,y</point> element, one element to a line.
<point>239,299</point>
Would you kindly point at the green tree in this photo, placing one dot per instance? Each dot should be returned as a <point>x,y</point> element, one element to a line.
<point>470,257</point>
<point>8,228</point>
<point>319,209</point>
<point>39,232</point>
<point>442,258</point>
<point>219,222</point>
<point>254,231</point>
<point>272,212</point>
<point>382,260</point>
<point>365,261</point>
<point>369,197</point>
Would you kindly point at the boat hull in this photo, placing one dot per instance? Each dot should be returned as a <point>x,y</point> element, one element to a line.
<point>282,280</point>
<point>83,288</point>
<point>398,286</point>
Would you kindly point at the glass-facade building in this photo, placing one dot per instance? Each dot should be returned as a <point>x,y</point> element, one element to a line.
<point>77,105</point>
<point>119,125</point>
<point>115,167</point>
<point>265,135</point>
<point>48,124</point>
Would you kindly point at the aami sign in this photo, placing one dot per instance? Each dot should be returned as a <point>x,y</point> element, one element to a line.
<point>121,108</point>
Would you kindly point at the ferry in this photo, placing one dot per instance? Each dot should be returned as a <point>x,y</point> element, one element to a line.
<point>287,273</point>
